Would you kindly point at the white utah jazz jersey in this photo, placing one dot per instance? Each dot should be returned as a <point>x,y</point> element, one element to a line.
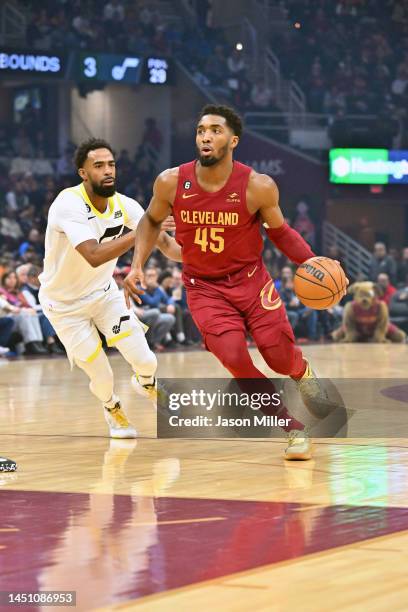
<point>72,219</point>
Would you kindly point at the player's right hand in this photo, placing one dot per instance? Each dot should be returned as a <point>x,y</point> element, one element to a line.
<point>131,290</point>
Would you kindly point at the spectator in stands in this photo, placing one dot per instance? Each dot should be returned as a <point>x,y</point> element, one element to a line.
<point>304,225</point>
<point>125,168</point>
<point>381,262</point>
<point>398,306</point>
<point>41,166</point>
<point>30,291</point>
<point>340,130</point>
<point>155,297</point>
<point>236,63</point>
<point>217,71</point>
<point>35,240</point>
<point>166,282</point>
<point>261,96</point>
<point>17,198</point>
<point>192,335</point>
<point>403,267</point>
<point>286,273</point>
<point>10,229</point>
<point>387,290</point>
<point>114,9</point>
<point>152,141</point>
<point>21,272</point>
<point>297,313</point>
<point>25,318</point>
<point>65,166</point>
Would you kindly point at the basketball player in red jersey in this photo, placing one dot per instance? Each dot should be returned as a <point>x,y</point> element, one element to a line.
<point>219,206</point>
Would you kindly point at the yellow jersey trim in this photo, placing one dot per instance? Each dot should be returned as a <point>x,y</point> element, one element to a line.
<point>104,215</point>
<point>114,340</point>
<point>94,355</point>
<point>122,208</point>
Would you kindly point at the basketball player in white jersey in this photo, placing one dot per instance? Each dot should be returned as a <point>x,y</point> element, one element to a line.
<point>83,241</point>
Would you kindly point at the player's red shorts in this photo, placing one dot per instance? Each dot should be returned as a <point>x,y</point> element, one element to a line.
<point>244,301</point>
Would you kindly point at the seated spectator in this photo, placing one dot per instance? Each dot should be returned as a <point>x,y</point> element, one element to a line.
<point>236,63</point>
<point>166,282</point>
<point>65,166</point>
<point>304,224</point>
<point>21,165</point>
<point>398,306</point>
<point>114,9</point>
<point>30,292</point>
<point>403,266</point>
<point>10,230</point>
<point>261,96</point>
<point>297,313</point>
<point>190,329</point>
<point>25,318</point>
<point>35,240</point>
<point>6,329</point>
<point>285,274</point>
<point>17,198</point>
<point>155,297</point>
<point>21,272</point>
<point>387,290</point>
<point>381,262</point>
<point>42,166</point>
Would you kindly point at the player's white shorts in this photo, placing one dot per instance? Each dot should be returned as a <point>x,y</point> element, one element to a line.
<point>77,323</point>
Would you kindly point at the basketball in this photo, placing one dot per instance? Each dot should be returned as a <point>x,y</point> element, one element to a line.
<point>319,283</point>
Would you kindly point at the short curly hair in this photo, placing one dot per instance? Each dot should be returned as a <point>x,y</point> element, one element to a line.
<point>233,120</point>
<point>89,145</point>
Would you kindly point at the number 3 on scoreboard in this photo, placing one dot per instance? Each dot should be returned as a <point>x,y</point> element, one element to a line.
<point>216,241</point>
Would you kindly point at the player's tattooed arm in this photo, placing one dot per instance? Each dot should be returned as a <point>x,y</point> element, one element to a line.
<point>148,229</point>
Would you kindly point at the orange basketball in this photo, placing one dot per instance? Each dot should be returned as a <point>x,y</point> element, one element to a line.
<point>319,283</point>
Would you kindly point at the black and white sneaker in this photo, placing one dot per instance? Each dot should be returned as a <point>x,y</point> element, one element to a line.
<point>7,465</point>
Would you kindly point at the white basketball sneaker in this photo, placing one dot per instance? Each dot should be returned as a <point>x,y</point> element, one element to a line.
<point>148,390</point>
<point>118,422</point>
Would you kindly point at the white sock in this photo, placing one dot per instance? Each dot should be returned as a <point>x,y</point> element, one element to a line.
<point>181,337</point>
<point>112,402</point>
<point>146,380</point>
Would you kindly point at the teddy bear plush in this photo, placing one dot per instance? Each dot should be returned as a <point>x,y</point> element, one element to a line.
<point>366,319</point>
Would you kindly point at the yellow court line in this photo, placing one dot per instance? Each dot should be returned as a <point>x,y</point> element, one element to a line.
<point>181,521</point>
<point>6,529</point>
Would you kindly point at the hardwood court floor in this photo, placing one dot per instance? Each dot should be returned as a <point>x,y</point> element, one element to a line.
<point>201,524</point>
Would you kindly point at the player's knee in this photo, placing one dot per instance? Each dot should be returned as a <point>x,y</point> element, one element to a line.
<point>280,361</point>
<point>147,365</point>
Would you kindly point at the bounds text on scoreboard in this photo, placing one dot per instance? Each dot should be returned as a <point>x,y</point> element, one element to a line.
<point>368,166</point>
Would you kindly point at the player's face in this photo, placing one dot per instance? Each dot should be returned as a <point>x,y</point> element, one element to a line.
<point>99,171</point>
<point>214,140</point>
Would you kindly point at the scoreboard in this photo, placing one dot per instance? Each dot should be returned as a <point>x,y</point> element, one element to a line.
<point>86,67</point>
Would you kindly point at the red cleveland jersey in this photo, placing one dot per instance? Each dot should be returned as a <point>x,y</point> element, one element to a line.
<point>217,234</point>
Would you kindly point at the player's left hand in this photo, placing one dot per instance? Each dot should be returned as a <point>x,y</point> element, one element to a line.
<point>347,280</point>
<point>131,290</point>
<point>168,225</point>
